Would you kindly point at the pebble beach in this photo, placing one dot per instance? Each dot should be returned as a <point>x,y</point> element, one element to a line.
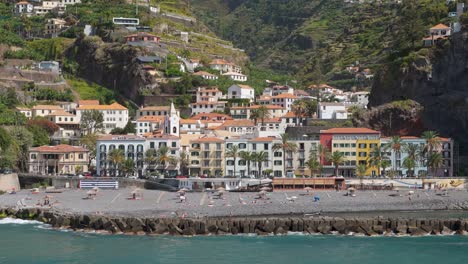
<point>167,204</point>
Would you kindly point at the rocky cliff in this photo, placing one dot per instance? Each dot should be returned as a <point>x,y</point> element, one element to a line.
<point>112,65</point>
<point>438,80</point>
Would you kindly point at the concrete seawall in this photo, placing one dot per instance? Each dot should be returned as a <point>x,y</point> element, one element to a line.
<point>243,225</point>
<point>8,182</point>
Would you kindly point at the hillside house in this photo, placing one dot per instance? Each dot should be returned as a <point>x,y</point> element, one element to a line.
<point>224,66</point>
<point>206,75</point>
<point>239,91</point>
<point>54,26</point>
<point>59,159</point>
<point>436,33</point>
<point>239,77</point>
<point>332,111</point>
<point>142,37</point>
<point>23,7</point>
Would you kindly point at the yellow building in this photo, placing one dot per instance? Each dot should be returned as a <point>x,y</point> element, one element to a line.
<point>210,153</point>
<point>364,149</point>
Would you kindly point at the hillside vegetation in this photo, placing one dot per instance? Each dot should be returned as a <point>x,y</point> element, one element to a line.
<point>317,39</point>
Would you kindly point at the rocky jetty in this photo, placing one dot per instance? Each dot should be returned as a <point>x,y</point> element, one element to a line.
<point>242,225</point>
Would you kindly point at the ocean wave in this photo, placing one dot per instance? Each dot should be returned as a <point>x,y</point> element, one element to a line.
<point>15,221</point>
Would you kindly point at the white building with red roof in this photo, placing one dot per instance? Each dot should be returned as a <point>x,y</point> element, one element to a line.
<point>240,91</point>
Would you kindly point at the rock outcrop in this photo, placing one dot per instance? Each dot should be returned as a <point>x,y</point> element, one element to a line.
<point>113,65</point>
<point>437,80</point>
<point>242,225</point>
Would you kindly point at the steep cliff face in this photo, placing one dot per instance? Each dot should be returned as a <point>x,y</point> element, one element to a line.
<point>438,81</point>
<point>113,65</point>
<point>399,117</point>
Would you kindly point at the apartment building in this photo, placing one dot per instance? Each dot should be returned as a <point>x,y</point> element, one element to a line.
<point>60,159</point>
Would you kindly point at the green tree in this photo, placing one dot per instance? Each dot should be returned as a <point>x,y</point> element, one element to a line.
<point>92,121</point>
<point>164,158</point>
<point>41,137</point>
<point>116,158</point>
<point>299,109</point>
<point>261,113</point>
<point>384,165</point>
<point>336,158</point>
<point>129,128</point>
<point>434,162</point>
<point>313,164</point>
<point>233,152</point>
<point>409,165</point>
<point>184,163</point>
<point>376,158</point>
<point>432,145</point>
<point>151,159</point>
<point>285,146</point>
<point>89,142</point>
<point>259,158</point>
<point>361,173</point>
<point>396,146</point>
<point>128,167</point>
<point>23,140</point>
<point>248,157</point>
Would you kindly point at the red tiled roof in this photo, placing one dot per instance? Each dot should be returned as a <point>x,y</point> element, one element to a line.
<point>211,116</point>
<point>114,106</point>
<point>58,149</point>
<point>203,73</point>
<point>285,95</point>
<point>349,130</point>
<point>88,102</point>
<point>208,139</point>
<point>237,123</point>
<point>440,26</point>
<point>262,139</point>
<point>155,108</point>
<point>151,119</point>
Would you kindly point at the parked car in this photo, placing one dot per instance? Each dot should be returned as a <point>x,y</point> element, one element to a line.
<point>133,177</point>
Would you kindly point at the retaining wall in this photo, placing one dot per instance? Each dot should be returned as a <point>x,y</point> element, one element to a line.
<point>8,182</point>
<point>243,225</point>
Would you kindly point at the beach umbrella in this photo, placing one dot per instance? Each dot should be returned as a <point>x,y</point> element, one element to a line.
<point>184,189</point>
<point>137,190</point>
<point>351,189</point>
<point>221,189</point>
<point>95,188</point>
<point>90,192</point>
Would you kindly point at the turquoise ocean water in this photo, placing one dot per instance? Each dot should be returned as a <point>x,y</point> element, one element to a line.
<point>35,243</point>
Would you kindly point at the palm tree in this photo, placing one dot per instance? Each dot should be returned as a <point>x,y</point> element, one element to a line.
<point>313,165</point>
<point>254,115</point>
<point>384,164</point>
<point>299,109</point>
<point>412,156</point>
<point>128,167</point>
<point>248,157</point>
<point>233,152</point>
<point>116,157</point>
<point>259,158</point>
<point>184,162</point>
<point>285,146</point>
<point>261,113</point>
<point>432,141</point>
<point>361,170</point>
<point>432,144</point>
<point>164,158</point>
<point>434,162</point>
<point>409,164</point>
<point>396,145</point>
<point>375,159</point>
<point>336,158</point>
<point>151,158</point>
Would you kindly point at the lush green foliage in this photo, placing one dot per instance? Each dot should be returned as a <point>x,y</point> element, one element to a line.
<point>92,91</point>
<point>50,94</point>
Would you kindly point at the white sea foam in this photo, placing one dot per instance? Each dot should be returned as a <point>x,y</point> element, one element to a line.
<point>15,221</point>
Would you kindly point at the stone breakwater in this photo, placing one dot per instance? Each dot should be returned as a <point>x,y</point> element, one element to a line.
<point>242,225</point>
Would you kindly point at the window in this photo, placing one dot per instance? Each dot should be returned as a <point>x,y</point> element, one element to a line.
<point>206,163</point>
<point>218,146</point>
<point>254,146</point>
<point>67,156</point>
<point>362,154</point>
<point>265,146</point>
<point>33,156</point>
<point>278,154</point>
<point>301,146</point>
<point>195,153</point>
<point>151,143</point>
<point>230,163</point>
<point>278,163</point>
<point>241,162</point>
<point>195,162</point>
<point>174,130</point>
<point>80,156</point>
<point>362,145</point>
<point>335,145</point>
<point>372,145</point>
<point>242,145</point>
<point>174,144</point>
<point>353,145</point>
<point>206,145</point>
